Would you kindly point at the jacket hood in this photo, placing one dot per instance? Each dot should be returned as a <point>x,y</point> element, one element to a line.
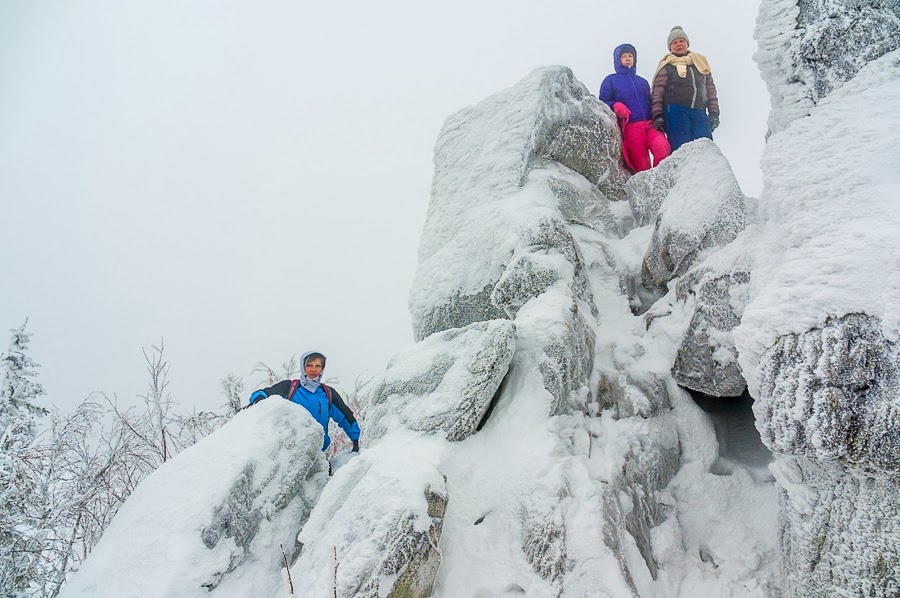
<point>617,53</point>
<point>305,357</point>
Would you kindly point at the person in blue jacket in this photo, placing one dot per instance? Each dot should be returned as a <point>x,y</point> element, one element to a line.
<point>322,401</point>
<point>628,94</point>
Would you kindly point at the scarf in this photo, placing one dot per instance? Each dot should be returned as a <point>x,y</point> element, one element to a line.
<point>681,63</point>
<point>310,384</point>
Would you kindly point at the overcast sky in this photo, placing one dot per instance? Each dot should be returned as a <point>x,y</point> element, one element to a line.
<point>249,180</point>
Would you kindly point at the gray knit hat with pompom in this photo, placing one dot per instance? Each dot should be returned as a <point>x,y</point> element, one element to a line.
<point>677,32</point>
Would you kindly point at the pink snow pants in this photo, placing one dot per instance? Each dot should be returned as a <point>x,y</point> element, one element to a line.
<point>640,137</point>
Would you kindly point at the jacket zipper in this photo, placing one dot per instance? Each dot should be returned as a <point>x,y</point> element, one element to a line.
<point>694,84</point>
<point>636,95</point>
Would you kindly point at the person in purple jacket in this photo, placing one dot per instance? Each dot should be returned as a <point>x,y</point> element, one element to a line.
<point>629,97</point>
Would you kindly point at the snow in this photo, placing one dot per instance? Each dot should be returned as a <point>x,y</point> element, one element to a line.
<point>828,244</point>
<point>482,159</point>
<point>170,538</point>
<point>358,530</point>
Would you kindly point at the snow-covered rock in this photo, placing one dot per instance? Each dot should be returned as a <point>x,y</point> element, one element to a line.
<point>817,341</point>
<point>832,394</point>
<point>696,204</point>
<point>377,527</point>
<point>215,519</point>
<point>707,360</point>
<point>443,383</point>
<point>841,530</point>
<point>484,207</point>
<point>808,49</point>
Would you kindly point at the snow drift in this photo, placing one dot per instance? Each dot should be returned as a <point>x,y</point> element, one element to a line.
<point>213,519</point>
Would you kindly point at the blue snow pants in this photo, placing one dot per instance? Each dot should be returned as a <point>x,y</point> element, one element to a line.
<point>685,124</point>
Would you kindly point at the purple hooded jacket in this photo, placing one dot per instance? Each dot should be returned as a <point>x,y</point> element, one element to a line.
<point>627,87</point>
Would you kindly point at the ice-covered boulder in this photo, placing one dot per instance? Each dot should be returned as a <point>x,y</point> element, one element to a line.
<point>833,394</point>
<point>817,339</point>
<point>487,200</point>
<point>696,204</point>
<point>444,383</point>
<point>214,519</point>
<point>840,530</point>
<point>377,527</point>
<point>808,49</point>
<point>830,401</point>
<point>707,359</point>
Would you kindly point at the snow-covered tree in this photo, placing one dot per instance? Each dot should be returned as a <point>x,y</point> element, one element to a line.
<point>21,468</point>
<point>18,391</point>
<point>233,387</point>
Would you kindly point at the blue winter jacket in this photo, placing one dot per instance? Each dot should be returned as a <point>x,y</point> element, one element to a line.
<point>627,87</point>
<point>317,404</point>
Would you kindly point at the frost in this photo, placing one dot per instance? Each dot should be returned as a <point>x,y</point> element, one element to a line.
<point>211,519</point>
<point>443,383</point>
<point>482,198</point>
<point>697,209</point>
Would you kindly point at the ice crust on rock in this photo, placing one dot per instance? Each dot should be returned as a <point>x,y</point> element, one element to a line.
<point>483,209</point>
<point>834,394</point>
<point>809,48</point>
<point>840,530</point>
<point>817,341</point>
<point>210,520</point>
<point>444,383</point>
<point>376,529</point>
<point>707,359</point>
<point>697,207</point>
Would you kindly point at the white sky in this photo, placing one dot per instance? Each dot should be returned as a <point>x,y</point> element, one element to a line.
<point>249,179</point>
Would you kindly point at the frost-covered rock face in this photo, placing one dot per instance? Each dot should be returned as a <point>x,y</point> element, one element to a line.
<point>834,394</point>
<point>808,48</point>
<point>628,396</point>
<point>210,521</point>
<point>697,205</point>
<point>376,530</point>
<point>818,338</point>
<point>841,535</point>
<point>444,383</point>
<point>567,363</point>
<point>489,205</point>
<point>707,360</point>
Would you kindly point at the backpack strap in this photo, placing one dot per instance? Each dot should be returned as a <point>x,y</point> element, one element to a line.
<point>294,385</point>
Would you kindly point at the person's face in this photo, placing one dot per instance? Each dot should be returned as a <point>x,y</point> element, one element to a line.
<point>314,367</point>
<point>627,59</point>
<point>679,46</point>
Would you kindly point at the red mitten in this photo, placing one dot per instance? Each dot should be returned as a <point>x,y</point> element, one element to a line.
<point>621,110</point>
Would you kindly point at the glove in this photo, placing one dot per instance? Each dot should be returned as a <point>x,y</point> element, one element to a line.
<point>621,110</point>
<point>713,121</point>
<point>257,396</point>
<point>355,446</point>
<point>659,123</point>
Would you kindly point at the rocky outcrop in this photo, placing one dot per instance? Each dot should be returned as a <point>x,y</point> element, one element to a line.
<point>833,394</point>
<point>817,339</point>
<point>707,359</point>
<point>444,383</point>
<point>490,202</point>
<point>841,531</point>
<point>830,407</point>
<point>377,527</point>
<point>696,210</point>
<point>210,521</point>
<point>809,49</point>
